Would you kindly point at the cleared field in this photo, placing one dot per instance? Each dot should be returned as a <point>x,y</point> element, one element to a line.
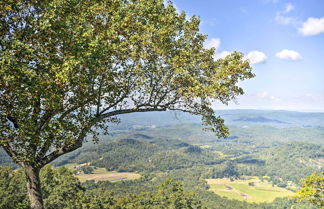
<point>241,190</point>
<point>108,176</point>
<point>101,174</point>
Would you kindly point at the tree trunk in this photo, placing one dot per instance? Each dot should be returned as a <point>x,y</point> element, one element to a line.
<point>34,187</point>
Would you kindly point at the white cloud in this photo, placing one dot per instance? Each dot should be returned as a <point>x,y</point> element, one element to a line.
<point>256,57</point>
<point>313,26</point>
<point>215,42</point>
<point>288,55</point>
<point>289,7</point>
<point>221,55</point>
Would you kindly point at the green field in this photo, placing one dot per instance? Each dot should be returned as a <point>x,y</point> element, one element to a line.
<point>101,174</point>
<point>241,190</point>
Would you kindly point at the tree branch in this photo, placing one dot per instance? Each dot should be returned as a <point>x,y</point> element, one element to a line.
<point>71,147</point>
<point>10,151</point>
<point>13,121</point>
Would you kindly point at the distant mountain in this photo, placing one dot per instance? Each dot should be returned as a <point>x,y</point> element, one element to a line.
<point>260,119</point>
<point>276,118</point>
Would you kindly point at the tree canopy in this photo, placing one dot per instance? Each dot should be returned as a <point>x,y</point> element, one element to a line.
<point>69,67</point>
<point>312,189</point>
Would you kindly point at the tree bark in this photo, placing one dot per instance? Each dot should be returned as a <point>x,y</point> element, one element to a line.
<point>34,187</point>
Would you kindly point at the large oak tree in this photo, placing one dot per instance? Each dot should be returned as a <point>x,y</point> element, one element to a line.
<point>70,67</point>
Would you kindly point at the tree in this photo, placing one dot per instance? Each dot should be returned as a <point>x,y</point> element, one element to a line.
<point>70,67</point>
<point>312,189</point>
<point>60,189</point>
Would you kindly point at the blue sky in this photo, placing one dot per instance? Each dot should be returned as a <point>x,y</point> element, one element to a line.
<point>283,39</point>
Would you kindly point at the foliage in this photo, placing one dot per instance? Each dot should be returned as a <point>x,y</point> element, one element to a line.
<point>62,190</point>
<point>12,189</point>
<point>312,189</point>
<point>169,194</point>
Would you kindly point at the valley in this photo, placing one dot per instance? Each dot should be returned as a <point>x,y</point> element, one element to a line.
<point>259,166</point>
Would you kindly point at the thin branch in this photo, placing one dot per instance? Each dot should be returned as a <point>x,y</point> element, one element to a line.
<point>10,151</point>
<point>13,121</point>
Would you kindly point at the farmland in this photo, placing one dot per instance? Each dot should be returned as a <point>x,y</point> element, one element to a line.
<point>250,190</point>
<point>101,174</point>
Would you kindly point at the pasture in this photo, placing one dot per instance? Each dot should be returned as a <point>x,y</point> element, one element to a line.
<point>101,174</point>
<point>250,190</point>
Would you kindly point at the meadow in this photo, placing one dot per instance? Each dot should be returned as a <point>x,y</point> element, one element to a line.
<point>250,190</point>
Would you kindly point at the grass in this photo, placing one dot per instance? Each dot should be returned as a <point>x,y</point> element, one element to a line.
<point>101,174</point>
<point>240,190</point>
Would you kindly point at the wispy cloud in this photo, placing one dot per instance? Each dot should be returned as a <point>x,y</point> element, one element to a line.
<point>244,11</point>
<point>211,22</point>
<point>288,55</point>
<point>267,100</point>
<point>313,26</point>
<point>265,95</point>
<point>282,18</point>
<point>270,1</point>
<point>289,7</point>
